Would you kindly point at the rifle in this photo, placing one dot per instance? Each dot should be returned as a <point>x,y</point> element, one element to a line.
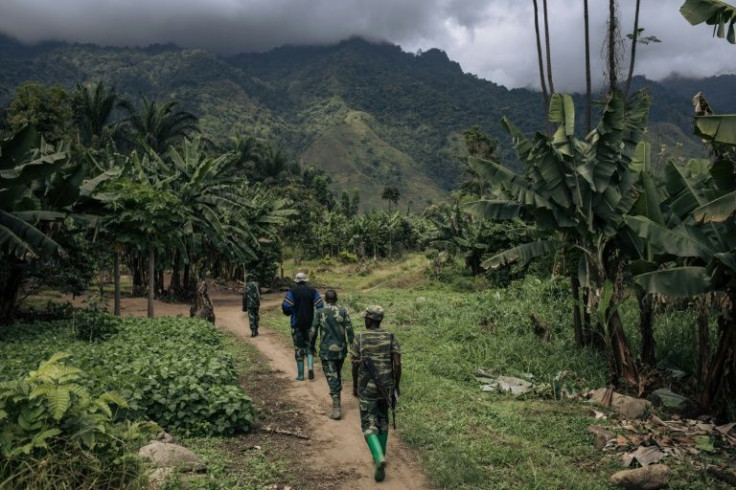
<point>389,397</point>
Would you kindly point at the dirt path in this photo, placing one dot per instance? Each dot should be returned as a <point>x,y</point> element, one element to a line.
<point>334,445</point>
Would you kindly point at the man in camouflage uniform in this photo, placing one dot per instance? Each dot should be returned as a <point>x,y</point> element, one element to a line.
<point>300,302</point>
<point>332,324</point>
<point>252,303</point>
<point>377,347</point>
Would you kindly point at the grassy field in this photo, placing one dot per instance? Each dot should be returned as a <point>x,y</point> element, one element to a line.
<point>449,329</point>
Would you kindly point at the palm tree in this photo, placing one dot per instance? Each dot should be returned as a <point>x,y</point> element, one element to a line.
<point>272,164</point>
<point>157,126</point>
<point>93,106</point>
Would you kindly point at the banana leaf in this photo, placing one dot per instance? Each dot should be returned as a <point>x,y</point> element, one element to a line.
<point>718,210</point>
<point>717,128</point>
<point>523,252</point>
<point>712,12</point>
<point>680,241</point>
<point>681,281</point>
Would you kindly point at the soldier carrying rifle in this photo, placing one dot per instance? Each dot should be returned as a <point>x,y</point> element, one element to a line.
<point>376,362</point>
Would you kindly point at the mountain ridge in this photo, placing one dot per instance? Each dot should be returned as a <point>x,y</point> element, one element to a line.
<point>368,113</point>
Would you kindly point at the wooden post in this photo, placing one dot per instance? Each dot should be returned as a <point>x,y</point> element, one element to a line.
<point>116,281</point>
<point>151,280</point>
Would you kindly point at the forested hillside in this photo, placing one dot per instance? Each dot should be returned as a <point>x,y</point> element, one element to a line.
<point>370,114</point>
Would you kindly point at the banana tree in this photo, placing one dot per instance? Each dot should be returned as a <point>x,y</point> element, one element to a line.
<point>578,190</point>
<point>39,188</point>
<point>699,242</point>
<point>713,12</point>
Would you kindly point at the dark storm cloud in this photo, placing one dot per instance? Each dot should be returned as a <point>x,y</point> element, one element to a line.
<point>492,38</point>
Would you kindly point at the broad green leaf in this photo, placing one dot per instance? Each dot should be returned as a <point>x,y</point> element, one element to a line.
<point>523,253</point>
<point>494,209</point>
<point>712,12</point>
<point>681,281</point>
<point>679,241</point>
<point>717,128</point>
<point>718,210</point>
<point>684,193</point>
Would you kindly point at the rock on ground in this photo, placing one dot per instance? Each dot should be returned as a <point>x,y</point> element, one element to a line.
<point>648,478</point>
<point>626,406</point>
<point>167,455</point>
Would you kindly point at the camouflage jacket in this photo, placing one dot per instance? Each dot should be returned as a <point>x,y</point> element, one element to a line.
<point>332,324</point>
<point>251,295</point>
<point>380,346</point>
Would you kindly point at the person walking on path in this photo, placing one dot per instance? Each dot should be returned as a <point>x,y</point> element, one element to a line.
<point>376,368</point>
<point>332,325</point>
<point>252,303</point>
<point>300,302</point>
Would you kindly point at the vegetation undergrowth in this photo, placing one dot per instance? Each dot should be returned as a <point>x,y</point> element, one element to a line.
<point>471,439</point>
<point>235,462</point>
<point>56,435</point>
<point>173,371</point>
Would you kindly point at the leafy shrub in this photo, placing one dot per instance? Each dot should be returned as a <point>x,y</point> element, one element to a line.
<point>170,370</point>
<point>52,311</point>
<point>95,325</point>
<point>55,435</point>
<point>174,371</point>
<point>347,258</point>
<point>327,261</point>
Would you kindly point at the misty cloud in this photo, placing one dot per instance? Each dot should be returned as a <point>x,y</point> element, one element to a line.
<point>491,38</point>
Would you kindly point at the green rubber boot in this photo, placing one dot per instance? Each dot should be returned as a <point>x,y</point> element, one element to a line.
<point>383,438</point>
<point>300,370</point>
<point>310,365</point>
<point>375,446</point>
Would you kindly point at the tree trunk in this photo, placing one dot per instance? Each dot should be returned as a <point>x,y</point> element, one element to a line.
<point>576,317</point>
<point>160,289</point>
<point>11,279</point>
<point>722,373</point>
<point>618,343</point>
<point>175,284</point>
<point>624,361</point>
<point>186,280</point>
<point>151,279</point>
<point>587,324</point>
<point>612,40</point>
<point>646,319</point>
<point>704,348</point>
<point>139,275</point>
<point>634,40</point>
<point>588,87</point>
<point>548,48</point>
<point>116,281</point>
<point>545,95</point>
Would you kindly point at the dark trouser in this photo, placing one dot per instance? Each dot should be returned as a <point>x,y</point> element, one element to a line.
<point>333,369</point>
<point>301,342</point>
<point>253,318</point>
<point>373,416</point>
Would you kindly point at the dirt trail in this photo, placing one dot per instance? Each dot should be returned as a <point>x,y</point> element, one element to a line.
<point>333,444</point>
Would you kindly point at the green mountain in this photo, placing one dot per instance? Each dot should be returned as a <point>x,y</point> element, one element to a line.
<point>368,113</point>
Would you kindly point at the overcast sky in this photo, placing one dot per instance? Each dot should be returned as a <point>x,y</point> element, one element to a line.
<point>493,39</point>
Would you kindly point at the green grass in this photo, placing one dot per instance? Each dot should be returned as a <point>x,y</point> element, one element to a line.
<point>470,439</point>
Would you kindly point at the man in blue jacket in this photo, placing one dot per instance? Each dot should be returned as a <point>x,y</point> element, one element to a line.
<point>300,302</point>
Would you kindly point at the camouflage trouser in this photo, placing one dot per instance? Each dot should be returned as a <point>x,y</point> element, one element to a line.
<point>253,318</point>
<point>332,369</point>
<point>301,343</point>
<point>373,416</point>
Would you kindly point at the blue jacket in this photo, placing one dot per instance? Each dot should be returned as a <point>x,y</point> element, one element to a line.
<point>300,302</point>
